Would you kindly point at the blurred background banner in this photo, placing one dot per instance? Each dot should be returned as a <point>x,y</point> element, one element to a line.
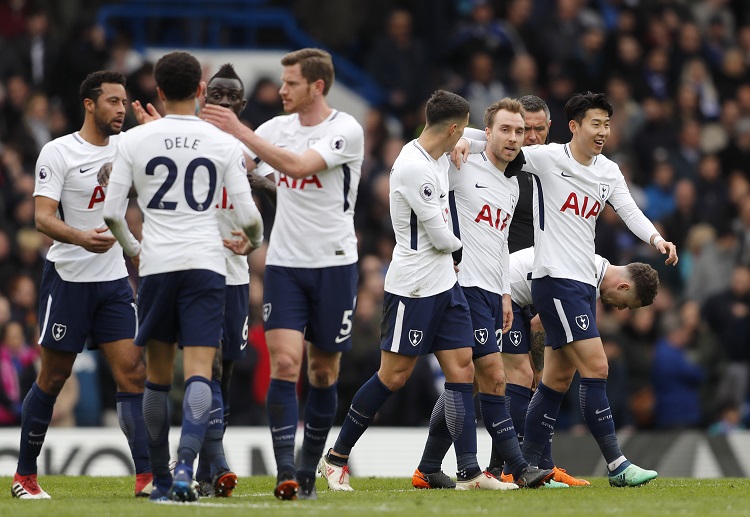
<point>393,452</point>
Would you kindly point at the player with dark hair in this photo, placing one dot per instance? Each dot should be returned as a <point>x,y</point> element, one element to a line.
<point>310,287</point>
<point>425,310</point>
<point>482,198</point>
<point>181,261</point>
<point>84,291</point>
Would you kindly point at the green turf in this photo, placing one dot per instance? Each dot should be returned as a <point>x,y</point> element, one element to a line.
<point>98,496</point>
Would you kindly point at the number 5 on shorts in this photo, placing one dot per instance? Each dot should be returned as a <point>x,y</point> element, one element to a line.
<point>346,324</point>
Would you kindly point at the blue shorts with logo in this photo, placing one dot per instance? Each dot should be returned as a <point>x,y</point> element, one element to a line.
<point>487,319</point>
<point>234,330</point>
<point>420,326</point>
<point>186,307</point>
<point>516,340</point>
<point>70,312</point>
<point>567,309</point>
<point>319,302</point>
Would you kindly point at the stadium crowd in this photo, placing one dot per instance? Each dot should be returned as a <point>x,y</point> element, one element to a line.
<point>676,71</point>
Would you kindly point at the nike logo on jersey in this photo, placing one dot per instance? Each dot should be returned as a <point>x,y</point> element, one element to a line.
<point>564,175</point>
<point>600,411</point>
<point>243,345</point>
<point>495,424</point>
<point>84,170</point>
<point>477,185</point>
<point>442,196</point>
<point>277,429</point>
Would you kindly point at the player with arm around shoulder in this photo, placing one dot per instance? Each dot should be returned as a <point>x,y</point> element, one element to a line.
<point>482,198</point>
<point>315,155</point>
<point>84,291</point>
<point>571,184</point>
<point>178,165</point>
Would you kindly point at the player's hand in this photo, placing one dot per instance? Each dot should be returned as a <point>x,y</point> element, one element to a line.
<point>668,248</point>
<point>241,245</point>
<point>536,379</point>
<point>143,116</point>
<point>95,241</point>
<point>102,177</point>
<point>460,153</point>
<point>507,313</point>
<point>224,119</point>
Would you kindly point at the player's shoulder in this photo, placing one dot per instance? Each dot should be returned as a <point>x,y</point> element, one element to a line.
<point>605,164</point>
<point>63,142</point>
<point>342,118</point>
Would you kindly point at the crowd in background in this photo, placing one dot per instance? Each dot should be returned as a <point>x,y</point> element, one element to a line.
<point>676,71</point>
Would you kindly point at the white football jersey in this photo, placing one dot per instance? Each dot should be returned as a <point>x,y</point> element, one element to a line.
<point>314,223</point>
<point>568,198</point>
<point>418,192</point>
<point>482,200</point>
<point>178,166</point>
<point>522,265</point>
<point>66,172</point>
<point>237,267</point>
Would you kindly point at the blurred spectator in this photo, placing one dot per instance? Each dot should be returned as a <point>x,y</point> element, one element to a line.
<point>713,196</point>
<point>263,103</point>
<point>688,153</point>
<point>483,87</point>
<point>656,135</point>
<point>38,51</point>
<point>736,156</point>
<point>660,192</point>
<point>628,115</point>
<point>401,64</point>
<point>23,305</point>
<point>656,76</point>
<point>524,76</point>
<point>637,339</point>
<point>676,380</point>
<point>732,73</point>
<point>678,223</point>
<point>730,421</point>
<point>696,76</point>
<point>728,315</point>
<point>16,363</point>
<point>710,254</point>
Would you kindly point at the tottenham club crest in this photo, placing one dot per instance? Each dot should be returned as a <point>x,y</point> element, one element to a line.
<point>481,335</point>
<point>58,331</point>
<point>603,191</point>
<point>427,190</point>
<point>582,321</point>
<point>415,337</point>
<point>515,337</point>
<point>266,311</point>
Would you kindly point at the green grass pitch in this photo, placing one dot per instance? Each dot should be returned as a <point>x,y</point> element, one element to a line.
<point>111,497</point>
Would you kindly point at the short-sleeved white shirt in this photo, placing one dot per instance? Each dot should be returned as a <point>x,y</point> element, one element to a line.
<point>66,172</point>
<point>484,201</point>
<point>314,223</point>
<point>179,166</point>
<point>568,198</point>
<point>522,265</point>
<point>418,192</point>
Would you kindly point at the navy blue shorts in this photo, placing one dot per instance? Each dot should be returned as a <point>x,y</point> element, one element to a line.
<point>516,340</point>
<point>70,312</point>
<point>487,319</point>
<point>567,309</point>
<point>234,332</point>
<point>186,307</point>
<point>319,302</point>
<point>420,326</point>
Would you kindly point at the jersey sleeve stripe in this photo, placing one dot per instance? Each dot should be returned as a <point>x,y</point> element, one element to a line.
<point>414,233</point>
<point>454,213</point>
<point>347,183</point>
<point>541,201</point>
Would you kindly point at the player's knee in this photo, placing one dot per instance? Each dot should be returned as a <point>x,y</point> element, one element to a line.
<point>598,370</point>
<point>52,382</point>
<point>285,367</point>
<point>322,377</point>
<point>393,380</point>
<point>130,377</point>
